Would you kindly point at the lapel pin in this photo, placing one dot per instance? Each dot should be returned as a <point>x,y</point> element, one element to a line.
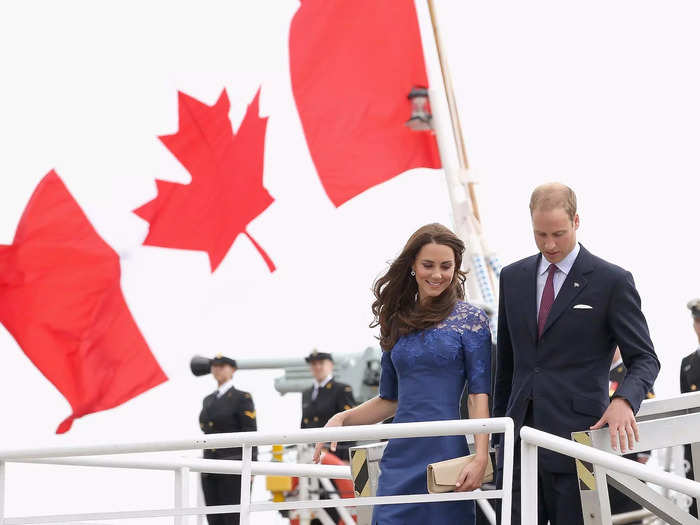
<point>576,285</point>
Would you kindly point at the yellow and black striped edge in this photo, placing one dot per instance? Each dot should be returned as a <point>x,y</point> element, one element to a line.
<point>360,472</point>
<point>584,469</point>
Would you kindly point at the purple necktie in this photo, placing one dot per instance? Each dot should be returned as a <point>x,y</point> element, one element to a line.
<point>547,300</point>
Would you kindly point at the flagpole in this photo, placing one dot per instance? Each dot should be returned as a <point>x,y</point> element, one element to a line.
<point>482,284</point>
<point>454,113</point>
<point>450,155</point>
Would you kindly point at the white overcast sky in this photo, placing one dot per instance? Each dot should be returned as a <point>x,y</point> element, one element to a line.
<point>601,95</point>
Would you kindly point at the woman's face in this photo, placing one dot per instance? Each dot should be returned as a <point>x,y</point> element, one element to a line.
<point>435,268</point>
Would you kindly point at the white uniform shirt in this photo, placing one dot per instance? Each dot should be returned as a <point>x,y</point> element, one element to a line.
<point>318,386</point>
<point>228,385</point>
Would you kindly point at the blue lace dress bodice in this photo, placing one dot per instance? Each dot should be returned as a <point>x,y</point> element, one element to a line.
<point>426,373</point>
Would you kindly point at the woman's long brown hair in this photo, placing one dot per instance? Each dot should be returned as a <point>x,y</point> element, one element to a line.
<point>396,308</point>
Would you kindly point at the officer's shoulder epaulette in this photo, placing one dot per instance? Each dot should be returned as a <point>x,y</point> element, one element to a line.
<point>238,394</point>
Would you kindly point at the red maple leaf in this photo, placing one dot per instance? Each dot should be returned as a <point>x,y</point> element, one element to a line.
<point>226,191</point>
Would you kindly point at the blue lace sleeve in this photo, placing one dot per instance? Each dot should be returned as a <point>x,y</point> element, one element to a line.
<point>476,344</point>
<point>388,382</point>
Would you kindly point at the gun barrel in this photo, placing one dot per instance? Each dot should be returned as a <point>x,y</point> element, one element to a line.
<point>262,363</point>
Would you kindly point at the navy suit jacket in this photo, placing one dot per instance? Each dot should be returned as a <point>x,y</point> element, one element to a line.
<point>564,373</point>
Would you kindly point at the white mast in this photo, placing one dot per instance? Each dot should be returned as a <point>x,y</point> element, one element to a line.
<point>482,281</point>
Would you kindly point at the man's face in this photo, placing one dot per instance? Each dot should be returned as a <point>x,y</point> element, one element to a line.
<point>555,233</point>
<point>696,325</point>
<point>321,368</point>
<point>222,373</point>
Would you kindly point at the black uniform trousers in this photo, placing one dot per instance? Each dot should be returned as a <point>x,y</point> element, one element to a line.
<point>222,489</point>
<point>233,411</point>
<point>558,499</point>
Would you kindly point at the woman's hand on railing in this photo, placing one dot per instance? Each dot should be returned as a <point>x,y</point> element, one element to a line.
<point>471,475</point>
<point>336,421</point>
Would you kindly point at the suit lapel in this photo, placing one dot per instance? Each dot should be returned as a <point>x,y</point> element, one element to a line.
<point>208,402</point>
<point>573,285</point>
<point>530,295</point>
<point>694,372</point>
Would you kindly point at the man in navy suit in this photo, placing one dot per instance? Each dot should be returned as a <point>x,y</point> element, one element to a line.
<point>561,314</point>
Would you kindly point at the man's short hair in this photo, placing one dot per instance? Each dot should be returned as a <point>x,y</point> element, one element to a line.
<point>553,195</point>
<point>694,307</point>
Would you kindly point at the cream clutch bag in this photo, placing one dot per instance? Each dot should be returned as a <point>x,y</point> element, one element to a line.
<point>442,476</point>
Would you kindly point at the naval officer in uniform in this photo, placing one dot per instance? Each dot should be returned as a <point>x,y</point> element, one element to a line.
<point>225,410</point>
<point>690,366</point>
<point>325,398</point>
<point>690,382</point>
<point>321,402</point>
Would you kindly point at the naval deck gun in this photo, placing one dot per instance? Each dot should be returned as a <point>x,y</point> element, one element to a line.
<point>359,370</point>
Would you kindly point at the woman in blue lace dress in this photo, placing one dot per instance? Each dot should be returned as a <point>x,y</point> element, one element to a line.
<point>433,344</point>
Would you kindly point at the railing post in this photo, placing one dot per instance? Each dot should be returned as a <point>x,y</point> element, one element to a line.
<point>201,518</point>
<point>304,514</point>
<point>181,493</point>
<point>508,457</point>
<point>528,482</point>
<point>304,455</point>
<point>2,492</point>
<point>245,484</point>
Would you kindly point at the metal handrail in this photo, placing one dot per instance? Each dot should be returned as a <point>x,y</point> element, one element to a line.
<point>238,439</point>
<point>210,466</point>
<point>531,439</point>
<point>75,455</point>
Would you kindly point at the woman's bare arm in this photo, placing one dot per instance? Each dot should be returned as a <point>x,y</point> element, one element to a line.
<point>471,476</point>
<point>370,412</point>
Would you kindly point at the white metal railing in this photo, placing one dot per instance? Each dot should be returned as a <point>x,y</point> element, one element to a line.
<point>531,439</point>
<point>75,455</point>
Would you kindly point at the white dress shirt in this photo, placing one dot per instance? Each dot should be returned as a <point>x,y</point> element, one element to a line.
<point>228,385</point>
<point>318,386</point>
<point>563,269</point>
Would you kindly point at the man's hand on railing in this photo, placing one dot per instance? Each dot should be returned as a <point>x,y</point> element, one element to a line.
<point>336,421</point>
<point>621,422</point>
<point>471,475</point>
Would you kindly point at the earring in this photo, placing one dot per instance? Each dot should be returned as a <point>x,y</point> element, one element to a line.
<point>413,273</point>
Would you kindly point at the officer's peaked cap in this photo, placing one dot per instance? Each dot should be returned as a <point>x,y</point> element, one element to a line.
<point>318,356</point>
<point>223,360</point>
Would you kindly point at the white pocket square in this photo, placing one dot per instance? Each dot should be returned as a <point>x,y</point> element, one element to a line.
<point>583,307</point>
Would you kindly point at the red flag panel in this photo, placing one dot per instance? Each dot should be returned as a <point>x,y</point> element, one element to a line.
<point>352,67</point>
<point>61,299</point>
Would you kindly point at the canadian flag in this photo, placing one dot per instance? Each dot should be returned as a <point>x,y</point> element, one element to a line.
<point>62,302</point>
<point>232,190</point>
